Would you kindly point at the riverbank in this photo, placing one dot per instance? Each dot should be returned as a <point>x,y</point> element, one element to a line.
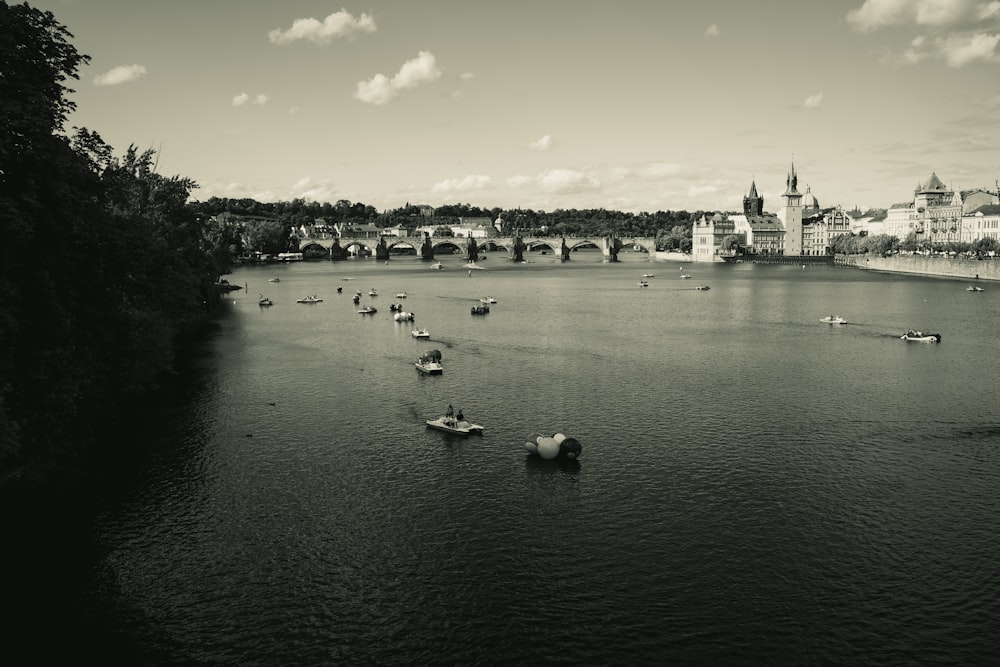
<point>934,266</point>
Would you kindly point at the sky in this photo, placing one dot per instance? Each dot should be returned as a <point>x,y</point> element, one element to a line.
<point>636,105</point>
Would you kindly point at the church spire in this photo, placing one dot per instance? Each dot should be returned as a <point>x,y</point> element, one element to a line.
<point>792,182</point>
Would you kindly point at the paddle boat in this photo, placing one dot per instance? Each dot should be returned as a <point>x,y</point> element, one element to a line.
<point>921,337</point>
<point>430,363</point>
<point>420,333</point>
<point>312,298</point>
<point>401,295</point>
<point>480,310</point>
<point>455,425</point>
<point>264,301</point>
<point>403,316</point>
<point>368,310</point>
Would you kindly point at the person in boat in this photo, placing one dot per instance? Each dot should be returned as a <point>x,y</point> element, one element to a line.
<point>459,416</point>
<point>449,414</point>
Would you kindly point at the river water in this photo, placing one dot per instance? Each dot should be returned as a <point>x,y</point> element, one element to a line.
<point>754,487</point>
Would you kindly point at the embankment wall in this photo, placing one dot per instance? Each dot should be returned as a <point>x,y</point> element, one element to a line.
<point>941,267</point>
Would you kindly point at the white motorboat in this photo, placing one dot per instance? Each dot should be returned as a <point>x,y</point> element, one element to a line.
<point>643,283</point>
<point>312,298</point>
<point>274,280</point>
<point>401,295</point>
<point>921,337</point>
<point>685,275</point>
<point>368,310</point>
<point>648,275</point>
<point>372,292</point>
<point>420,333</point>
<point>833,319</point>
<point>487,299</point>
<point>453,425</point>
<point>703,287</point>
<point>973,288</point>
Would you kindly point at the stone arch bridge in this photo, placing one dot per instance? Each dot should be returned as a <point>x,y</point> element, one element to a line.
<point>515,246</point>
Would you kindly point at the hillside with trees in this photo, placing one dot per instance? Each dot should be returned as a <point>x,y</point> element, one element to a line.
<point>104,265</point>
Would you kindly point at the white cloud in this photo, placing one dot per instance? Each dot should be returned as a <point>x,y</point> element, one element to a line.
<point>120,74</point>
<point>469,183</point>
<point>543,144</point>
<point>960,31</point>
<point>960,50</point>
<point>380,89</point>
<point>567,181</point>
<point>293,111</point>
<point>712,31</point>
<point>260,99</point>
<point>337,24</point>
<point>519,181</point>
<point>466,76</point>
<point>813,101</point>
<point>310,190</point>
<point>701,190</point>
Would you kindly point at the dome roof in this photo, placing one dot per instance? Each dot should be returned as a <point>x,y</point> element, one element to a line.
<point>809,199</point>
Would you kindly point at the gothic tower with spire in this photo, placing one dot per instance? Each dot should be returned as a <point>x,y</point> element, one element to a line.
<point>753,203</point>
<point>790,214</point>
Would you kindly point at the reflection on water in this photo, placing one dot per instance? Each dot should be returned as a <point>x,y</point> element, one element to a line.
<point>755,486</point>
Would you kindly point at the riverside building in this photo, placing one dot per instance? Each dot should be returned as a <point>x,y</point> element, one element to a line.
<point>800,228</point>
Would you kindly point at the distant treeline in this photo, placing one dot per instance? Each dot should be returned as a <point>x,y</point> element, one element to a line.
<point>670,228</point>
<point>104,265</point>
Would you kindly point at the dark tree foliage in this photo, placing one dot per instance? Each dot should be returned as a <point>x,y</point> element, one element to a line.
<point>102,264</point>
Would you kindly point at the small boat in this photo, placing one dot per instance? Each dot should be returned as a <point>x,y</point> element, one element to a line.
<point>703,287</point>
<point>356,299</point>
<point>264,301</point>
<point>685,275</point>
<point>420,333</point>
<point>340,290</point>
<point>403,317</point>
<point>368,310</point>
<point>401,295</point>
<point>648,275</point>
<point>454,425</point>
<point>473,265</point>
<point>487,299</point>
<point>921,337</point>
<point>480,310</point>
<point>833,319</point>
<point>643,283</point>
<point>437,266</point>
<point>430,363</point>
<point>973,288</point>
<point>309,299</point>
<point>274,280</point>
<point>372,292</point>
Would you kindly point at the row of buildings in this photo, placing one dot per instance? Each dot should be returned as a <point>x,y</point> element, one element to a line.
<point>801,227</point>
